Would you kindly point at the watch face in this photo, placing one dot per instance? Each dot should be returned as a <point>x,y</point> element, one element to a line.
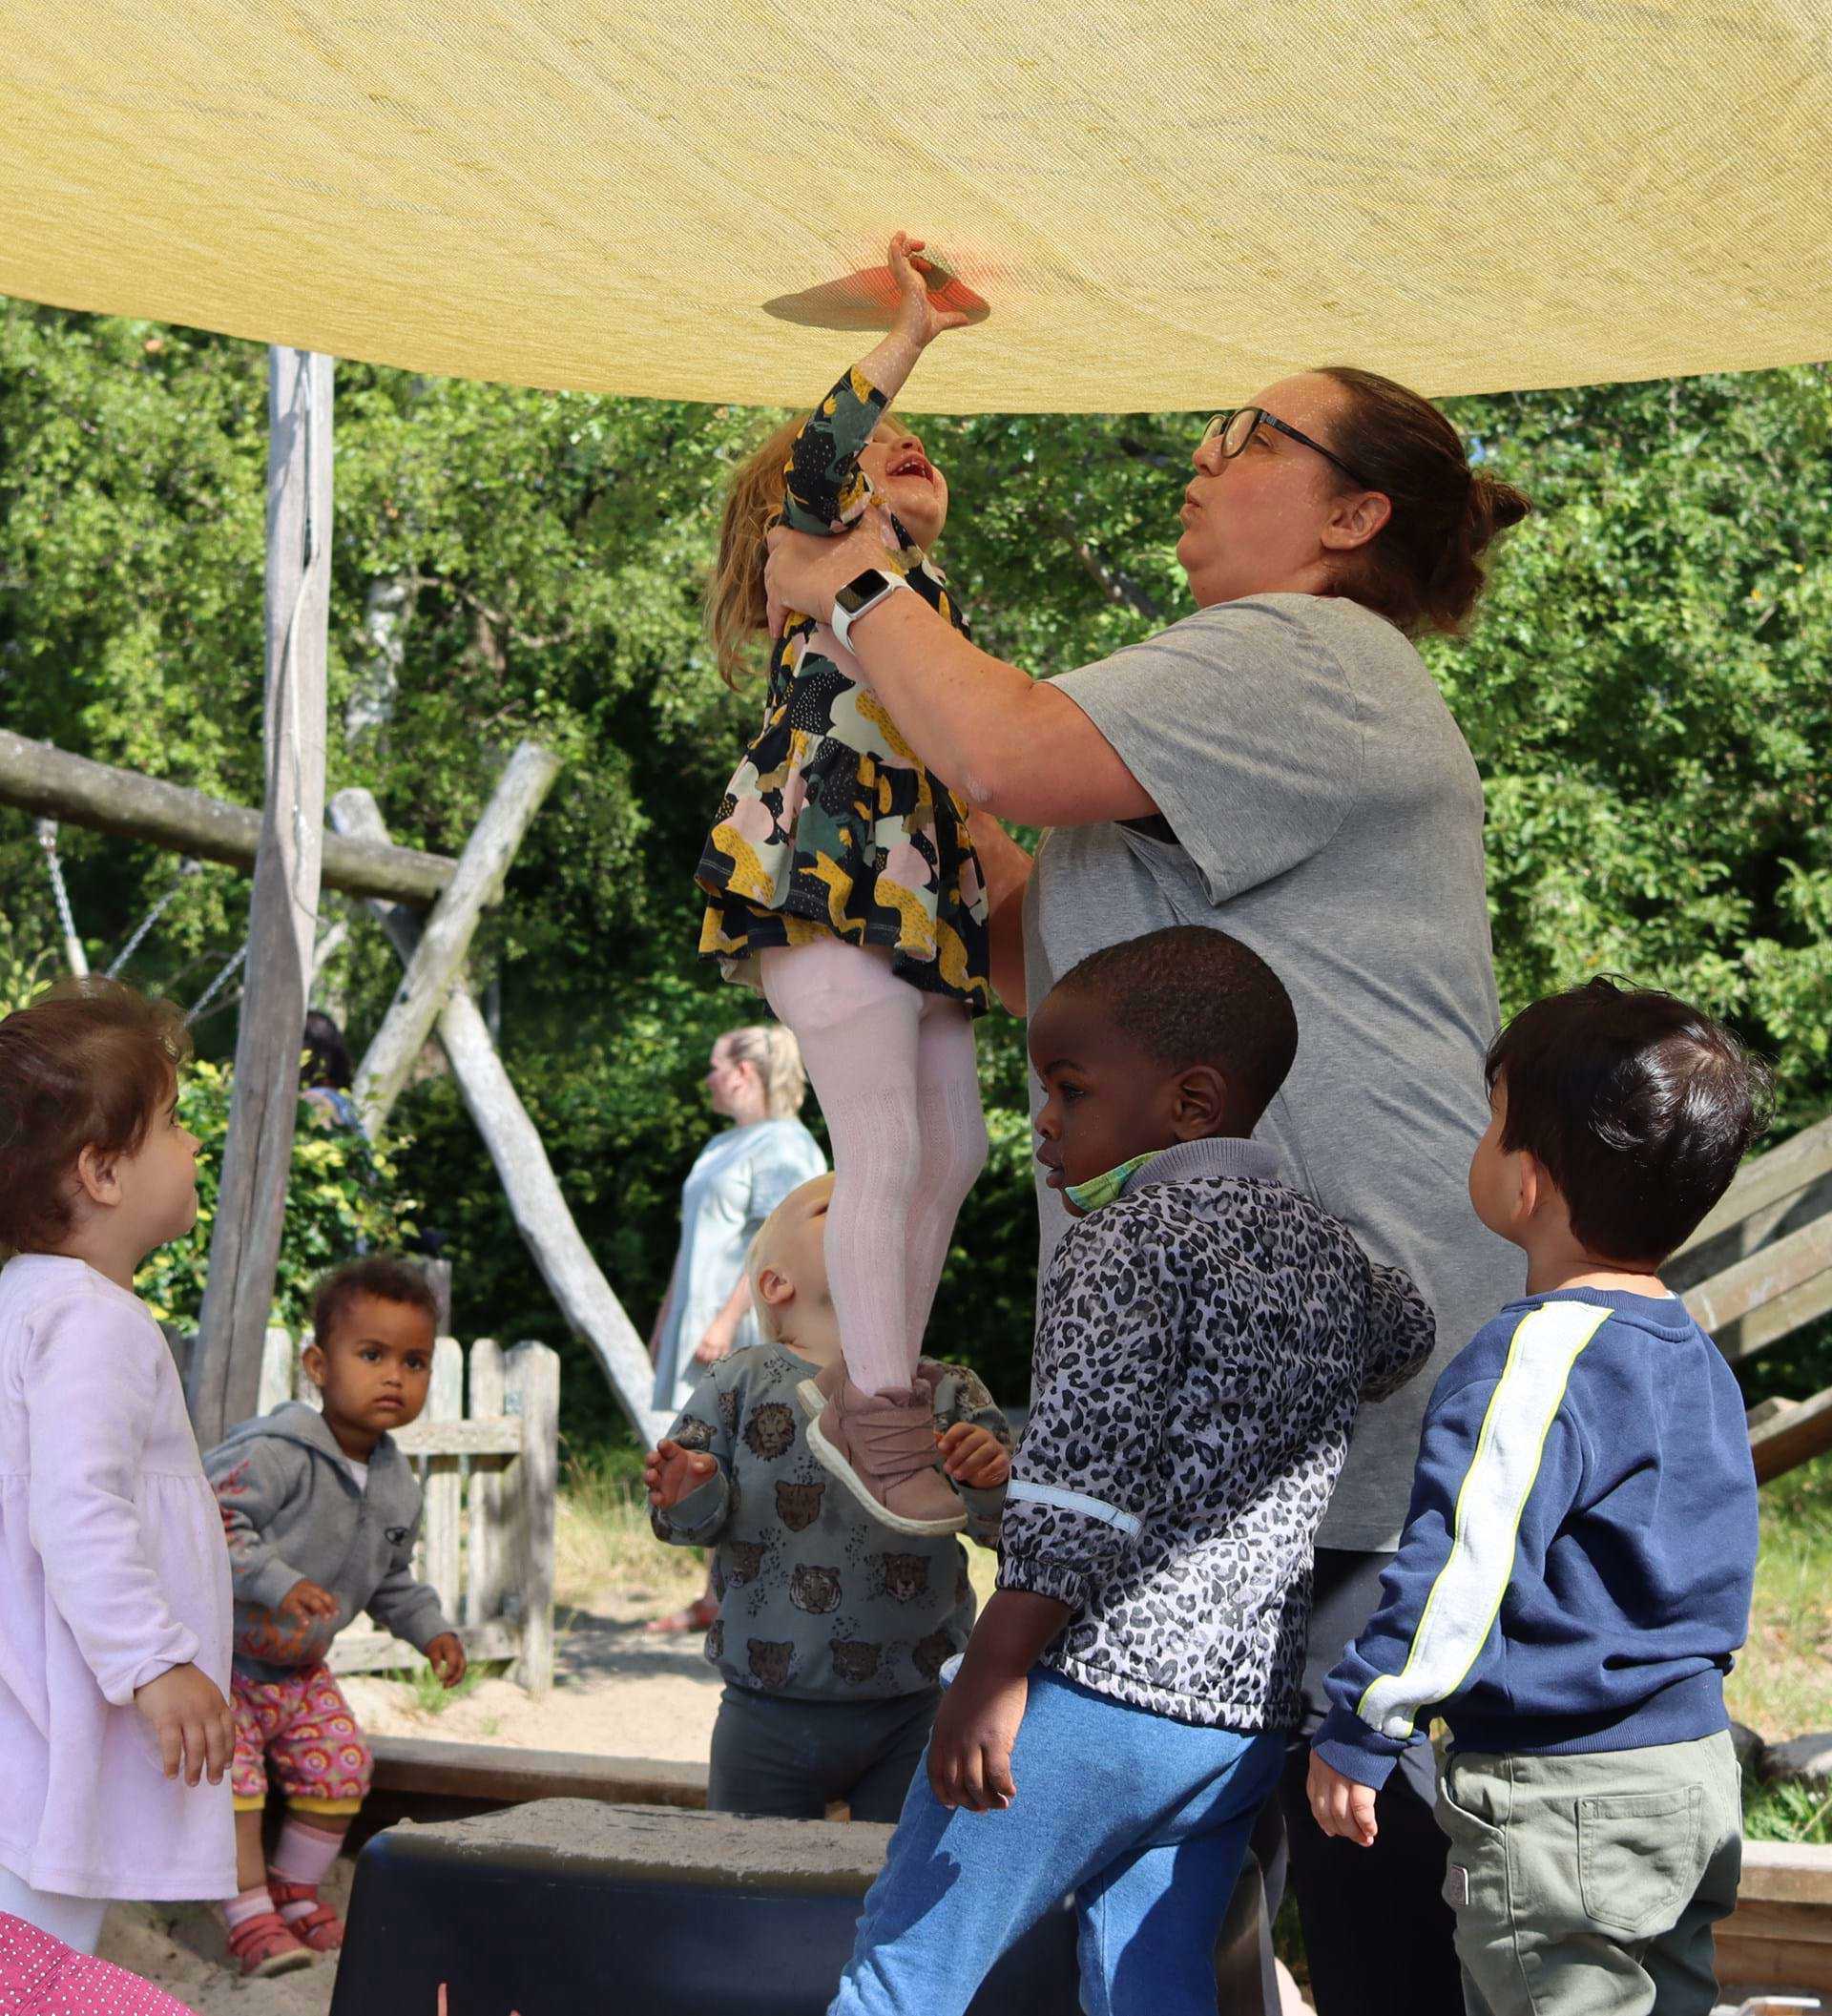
<point>862,588</point>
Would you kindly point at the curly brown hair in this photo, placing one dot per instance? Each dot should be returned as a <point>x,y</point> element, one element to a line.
<point>736,608</point>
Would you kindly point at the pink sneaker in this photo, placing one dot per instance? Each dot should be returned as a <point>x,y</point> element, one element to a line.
<point>882,1448</point>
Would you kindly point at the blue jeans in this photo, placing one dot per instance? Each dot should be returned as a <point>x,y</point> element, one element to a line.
<point>1142,1819</point>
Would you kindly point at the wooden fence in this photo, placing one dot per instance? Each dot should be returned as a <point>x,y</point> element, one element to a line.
<point>1758,1270</point>
<point>490,1473</point>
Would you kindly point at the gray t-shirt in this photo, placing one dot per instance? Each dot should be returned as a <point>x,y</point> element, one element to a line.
<point>1327,813</point>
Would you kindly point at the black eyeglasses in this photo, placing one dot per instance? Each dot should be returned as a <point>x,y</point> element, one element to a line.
<point>1234,429</point>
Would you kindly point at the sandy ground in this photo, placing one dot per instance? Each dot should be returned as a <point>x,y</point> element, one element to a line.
<point>617,1692</point>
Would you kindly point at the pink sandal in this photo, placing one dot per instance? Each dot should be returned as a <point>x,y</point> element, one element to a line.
<point>265,1945</point>
<point>320,1928</point>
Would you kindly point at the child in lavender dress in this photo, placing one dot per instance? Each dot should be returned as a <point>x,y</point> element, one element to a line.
<point>115,1734</point>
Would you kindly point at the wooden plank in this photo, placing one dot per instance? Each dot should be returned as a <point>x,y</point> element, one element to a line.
<point>1794,1966</point>
<point>38,777</point>
<point>1789,1261</point>
<point>283,915</point>
<point>1787,1872</point>
<point>532,1379</point>
<point>445,938</point>
<point>1786,1441</point>
<point>493,1771</point>
<point>484,1570</point>
<point>445,1484</point>
<point>354,1650</point>
<point>501,1435</point>
<point>535,1200</point>
<point>1801,1159</point>
<point>1779,1319</point>
<point>1757,1918</point>
<point>279,1364</point>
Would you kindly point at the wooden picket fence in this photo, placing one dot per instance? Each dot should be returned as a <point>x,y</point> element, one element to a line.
<point>489,1472</point>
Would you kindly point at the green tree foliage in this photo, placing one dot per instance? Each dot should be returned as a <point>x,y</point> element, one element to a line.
<point>1647,693</point>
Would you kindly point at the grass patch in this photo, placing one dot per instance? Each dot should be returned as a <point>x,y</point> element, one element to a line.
<point>1787,1813</point>
<point>431,1697</point>
<point>603,1539</point>
<point>1782,1683</point>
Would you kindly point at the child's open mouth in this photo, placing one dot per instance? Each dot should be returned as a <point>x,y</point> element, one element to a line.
<point>912,466</point>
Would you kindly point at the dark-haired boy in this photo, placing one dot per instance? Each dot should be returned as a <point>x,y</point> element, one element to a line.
<point>1205,1335</point>
<point>322,1511</point>
<point>1575,1570</point>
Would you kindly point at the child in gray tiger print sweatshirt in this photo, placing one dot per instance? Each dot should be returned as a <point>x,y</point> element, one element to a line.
<point>832,1629</point>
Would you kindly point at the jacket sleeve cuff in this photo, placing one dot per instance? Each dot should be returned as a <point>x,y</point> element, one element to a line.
<point>1348,1744</point>
<point>984,1510</point>
<point>421,1621</point>
<point>695,1519</point>
<point>1043,1578</point>
<point>269,1584</point>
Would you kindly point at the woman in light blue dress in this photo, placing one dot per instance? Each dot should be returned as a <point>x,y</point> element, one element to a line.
<point>756,1081</point>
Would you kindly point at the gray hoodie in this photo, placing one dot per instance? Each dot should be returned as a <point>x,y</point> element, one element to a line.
<point>293,1512</point>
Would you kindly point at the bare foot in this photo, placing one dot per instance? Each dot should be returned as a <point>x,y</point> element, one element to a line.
<point>700,1615</point>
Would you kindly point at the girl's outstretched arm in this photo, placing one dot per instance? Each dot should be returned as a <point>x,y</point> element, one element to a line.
<point>825,487</point>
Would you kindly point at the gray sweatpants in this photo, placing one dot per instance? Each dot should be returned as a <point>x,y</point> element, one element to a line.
<point>787,1758</point>
<point>1587,1886</point>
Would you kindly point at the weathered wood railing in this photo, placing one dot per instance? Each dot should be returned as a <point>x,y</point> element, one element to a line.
<point>489,1472</point>
<point>1760,1268</point>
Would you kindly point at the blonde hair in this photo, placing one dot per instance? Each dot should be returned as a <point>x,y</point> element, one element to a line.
<point>756,1256</point>
<point>736,608</point>
<point>772,1051</point>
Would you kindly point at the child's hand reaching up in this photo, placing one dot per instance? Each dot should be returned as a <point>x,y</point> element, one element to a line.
<point>670,1472</point>
<point>193,1724</point>
<point>920,317</point>
<point>1342,1806</point>
<point>974,1457</point>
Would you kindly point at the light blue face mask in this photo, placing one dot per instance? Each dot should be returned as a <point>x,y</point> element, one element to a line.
<point>1097,1190</point>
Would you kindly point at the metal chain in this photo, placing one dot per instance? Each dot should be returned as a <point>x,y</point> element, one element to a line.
<point>186,867</point>
<point>217,986</point>
<point>48,841</point>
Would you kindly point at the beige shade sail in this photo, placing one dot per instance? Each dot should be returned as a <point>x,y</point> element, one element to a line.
<point>1165,208</point>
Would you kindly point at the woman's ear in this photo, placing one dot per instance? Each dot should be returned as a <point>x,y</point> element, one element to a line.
<point>1355,519</point>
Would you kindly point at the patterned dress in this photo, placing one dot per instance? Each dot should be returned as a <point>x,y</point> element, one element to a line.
<point>831,824</point>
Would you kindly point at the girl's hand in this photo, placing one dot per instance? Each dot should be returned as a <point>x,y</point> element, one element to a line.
<point>970,1752</point>
<point>306,1600</point>
<point>974,1456</point>
<point>670,1472</point>
<point>919,319</point>
<point>445,1655</point>
<point>193,1724</point>
<point>1341,1806</point>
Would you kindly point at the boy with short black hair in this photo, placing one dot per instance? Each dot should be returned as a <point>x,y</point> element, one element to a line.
<point>1575,1570</point>
<point>322,1512</point>
<point>1205,1335</point>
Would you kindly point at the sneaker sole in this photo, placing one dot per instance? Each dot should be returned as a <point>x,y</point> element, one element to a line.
<point>837,1466</point>
<point>279,1964</point>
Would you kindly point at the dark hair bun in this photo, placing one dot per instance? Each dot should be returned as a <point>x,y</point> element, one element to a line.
<point>1493,507</point>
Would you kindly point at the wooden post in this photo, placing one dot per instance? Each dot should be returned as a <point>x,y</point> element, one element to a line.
<point>278,1371</point>
<point>282,917</point>
<point>531,1377</point>
<point>444,1485</point>
<point>572,1277</point>
<point>484,1571</point>
<point>449,929</point>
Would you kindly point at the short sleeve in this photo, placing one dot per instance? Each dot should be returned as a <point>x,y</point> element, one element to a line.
<point>1245,729</point>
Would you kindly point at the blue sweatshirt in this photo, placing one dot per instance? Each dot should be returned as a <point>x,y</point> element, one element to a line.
<point>1577,1561</point>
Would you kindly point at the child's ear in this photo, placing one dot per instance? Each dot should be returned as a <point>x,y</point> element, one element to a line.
<point>1201,1102</point>
<point>99,1176</point>
<point>312,1357</point>
<point>773,1287</point>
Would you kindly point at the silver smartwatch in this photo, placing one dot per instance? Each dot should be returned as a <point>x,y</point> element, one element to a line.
<point>863,591</point>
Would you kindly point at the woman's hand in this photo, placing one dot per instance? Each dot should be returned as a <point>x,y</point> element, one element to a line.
<point>974,1456</point>
<point>193,1724</point>
<point>920,318</point>
<point>1341,1806</point>
<point>970,1753</point>
<point>721,1335</point>
<point>805,571</point>
<point>670,1472</point>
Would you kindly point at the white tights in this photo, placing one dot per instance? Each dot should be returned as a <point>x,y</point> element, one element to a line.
<point>893,1070</point>
<point>77,1921</point>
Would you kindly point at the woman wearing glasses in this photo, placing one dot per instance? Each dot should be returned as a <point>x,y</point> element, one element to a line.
<point>1279,764</point>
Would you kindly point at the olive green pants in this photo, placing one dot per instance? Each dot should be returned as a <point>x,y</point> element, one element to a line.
<point>1587,1886</point>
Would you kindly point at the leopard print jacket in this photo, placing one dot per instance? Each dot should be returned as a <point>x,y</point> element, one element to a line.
<point>1203,1342</point>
